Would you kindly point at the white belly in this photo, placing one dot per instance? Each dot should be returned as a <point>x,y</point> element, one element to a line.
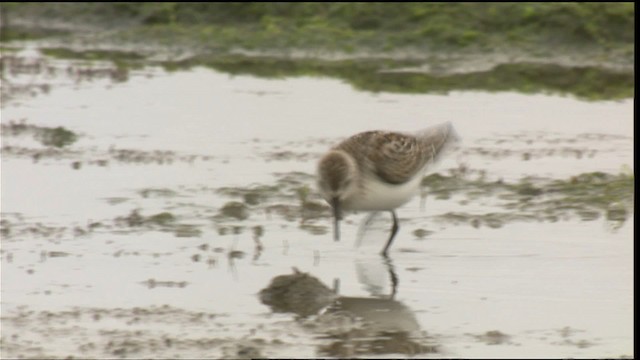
<point>377,196</point>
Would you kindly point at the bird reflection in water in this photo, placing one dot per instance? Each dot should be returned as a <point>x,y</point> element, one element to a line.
<point>352,325</point>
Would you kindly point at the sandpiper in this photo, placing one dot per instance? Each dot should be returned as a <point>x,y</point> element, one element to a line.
<point>379,170</point>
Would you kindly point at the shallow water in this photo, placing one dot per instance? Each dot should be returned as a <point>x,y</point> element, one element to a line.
<point>81,277</point>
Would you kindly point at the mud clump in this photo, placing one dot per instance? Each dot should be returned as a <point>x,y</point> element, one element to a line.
<point>58,137</point>
<point>616,212</point>
<point>247,352</point>
<point>57,254</point>
<point>252,198</point>
<point>314,229</point>
<point>493,337</point>
<point>421,233</point>
<point>162,219</point>
<point>186,230</point>
<point>314,209</point>
<point>134,219</point>
<point>236,210</point>
<point>158,193</point>
<point>153,283</point>
<point>527,189</point>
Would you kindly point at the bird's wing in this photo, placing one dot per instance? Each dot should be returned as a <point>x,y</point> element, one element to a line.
<point>396,157</point>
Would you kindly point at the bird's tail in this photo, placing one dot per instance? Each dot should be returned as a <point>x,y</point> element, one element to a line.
<point>438,139</point>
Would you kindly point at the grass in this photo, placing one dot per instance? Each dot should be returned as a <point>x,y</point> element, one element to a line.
<point>352,25</point>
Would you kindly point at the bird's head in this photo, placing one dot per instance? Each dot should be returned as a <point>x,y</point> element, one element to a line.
<point>337,174</point>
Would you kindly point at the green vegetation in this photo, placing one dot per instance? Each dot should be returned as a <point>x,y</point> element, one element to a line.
<point>588,195</point>
<point>582,49</point>
<point>349,24</point>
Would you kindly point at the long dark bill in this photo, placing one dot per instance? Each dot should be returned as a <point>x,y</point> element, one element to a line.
<point>335,204</point>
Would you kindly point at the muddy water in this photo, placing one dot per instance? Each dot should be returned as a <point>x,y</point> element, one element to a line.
<point>188,192</point>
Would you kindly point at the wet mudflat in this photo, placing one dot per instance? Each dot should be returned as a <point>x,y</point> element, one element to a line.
<point>154,212</point>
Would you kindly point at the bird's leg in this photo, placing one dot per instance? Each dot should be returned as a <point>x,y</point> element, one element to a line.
<point>392,275</point>
<point>394,231</point>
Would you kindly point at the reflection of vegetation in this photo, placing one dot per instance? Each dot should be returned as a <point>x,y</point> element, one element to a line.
<point>113,55</point>
<point>591,83</point>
